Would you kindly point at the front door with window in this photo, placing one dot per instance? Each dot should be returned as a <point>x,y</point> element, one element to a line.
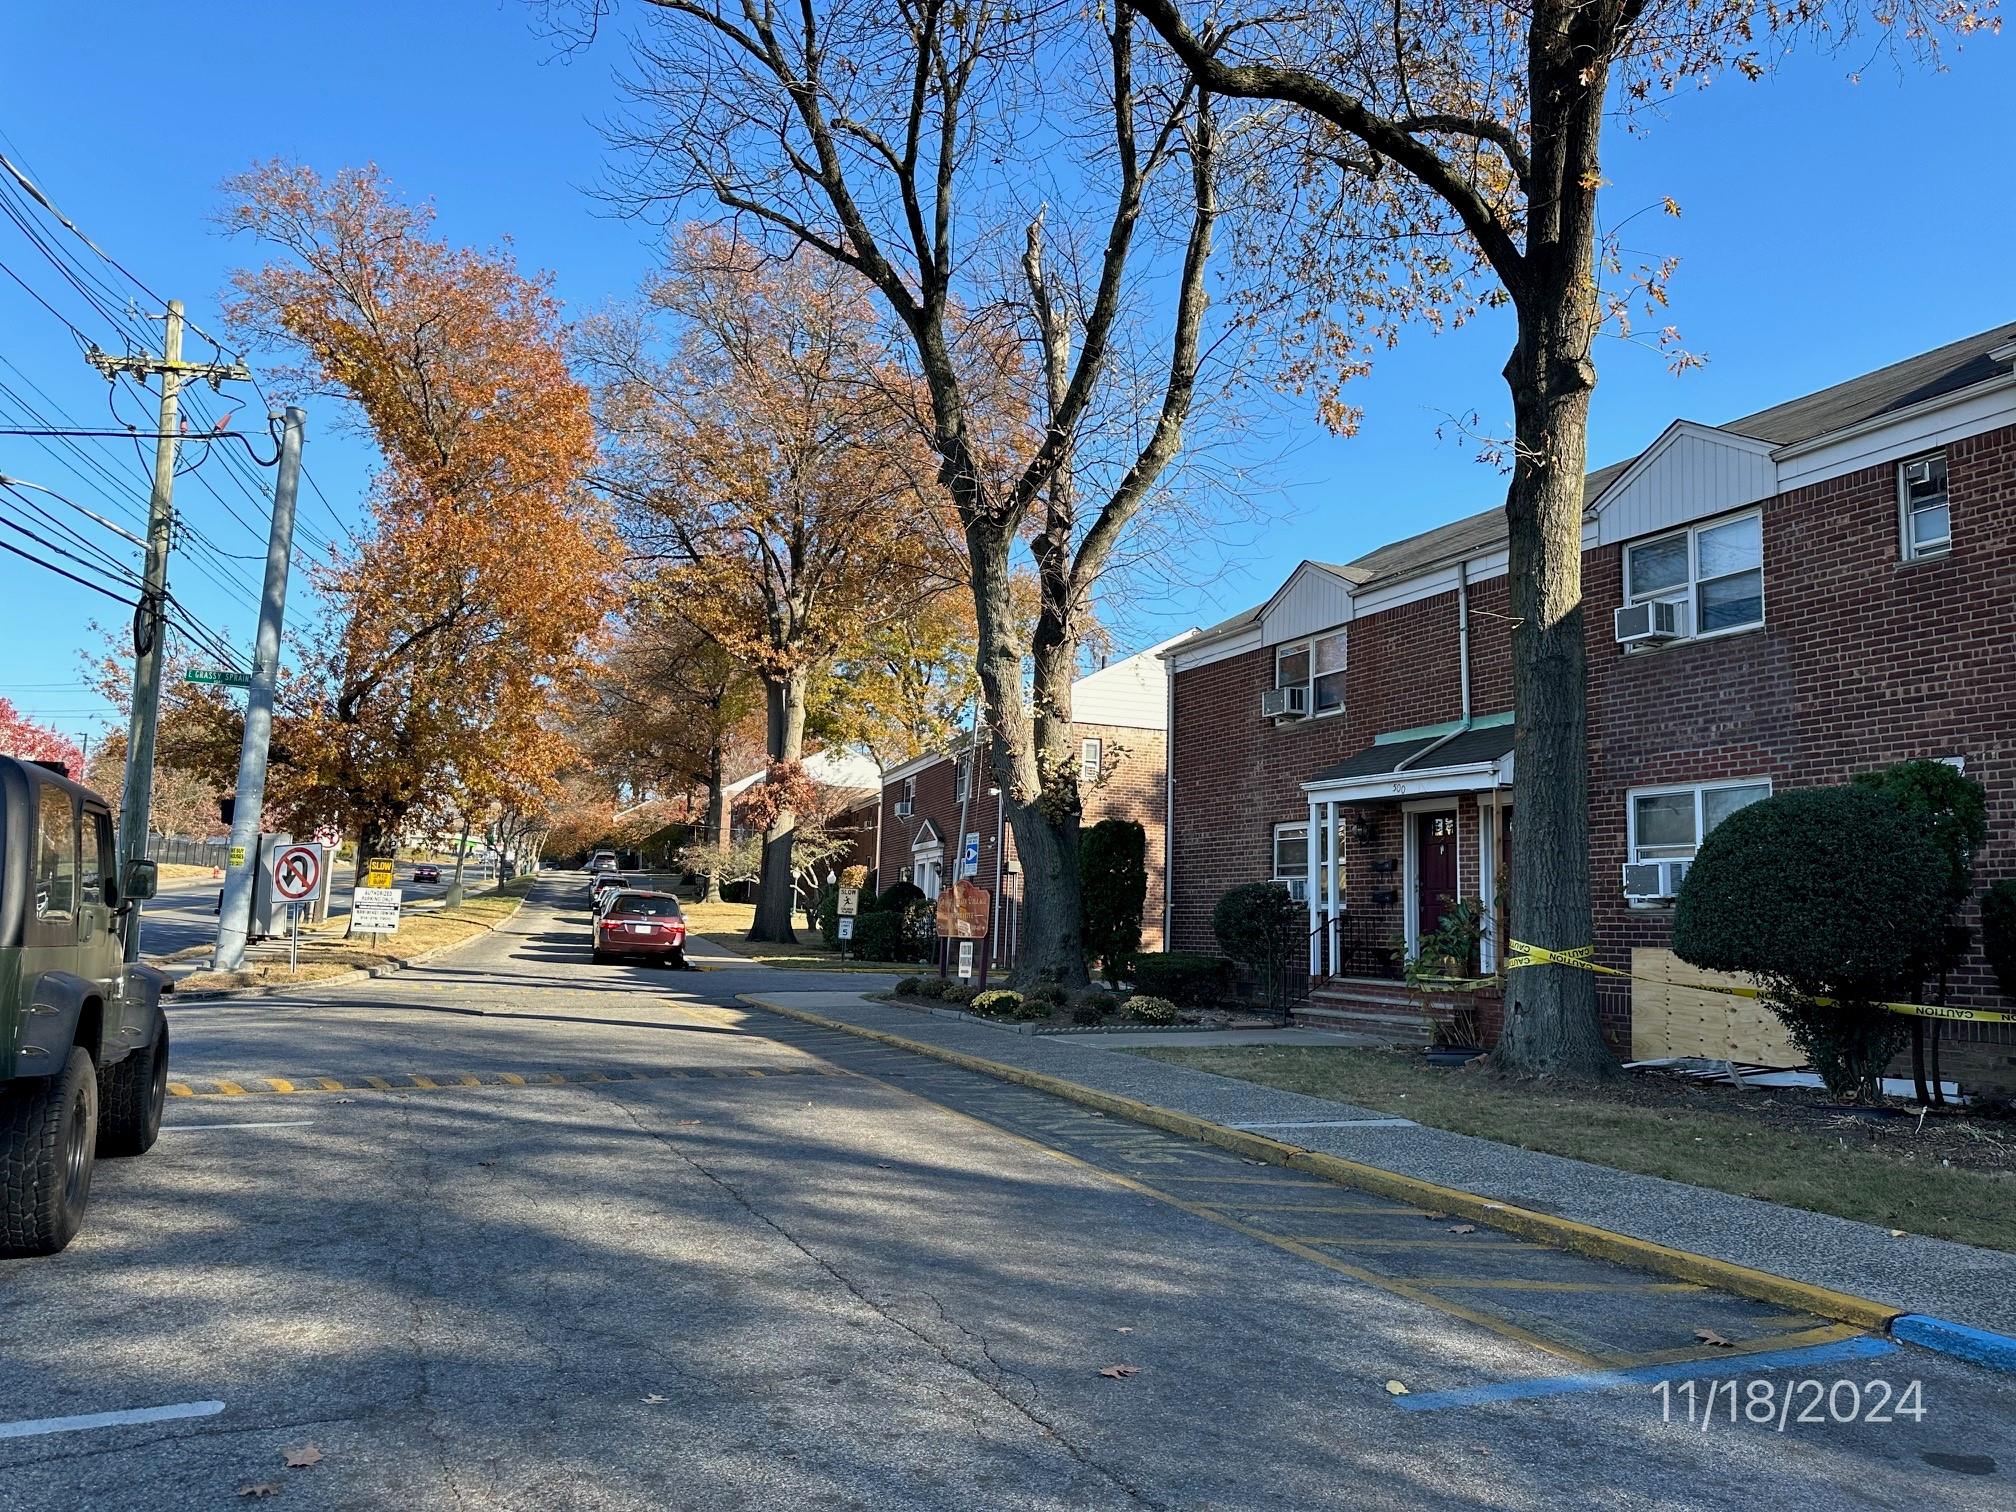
<point>1434,871</point>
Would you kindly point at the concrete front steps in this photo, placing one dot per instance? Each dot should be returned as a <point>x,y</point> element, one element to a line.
<point>1383,1011</point>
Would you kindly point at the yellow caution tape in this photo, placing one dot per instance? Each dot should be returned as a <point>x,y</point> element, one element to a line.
<point>1522,954</point>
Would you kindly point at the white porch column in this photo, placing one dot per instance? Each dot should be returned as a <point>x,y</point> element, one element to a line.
<point>1313,859</point>
<point>1332,892</point>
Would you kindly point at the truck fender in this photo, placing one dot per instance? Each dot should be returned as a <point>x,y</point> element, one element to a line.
<point>49,1027</point>
<point>142,994</point>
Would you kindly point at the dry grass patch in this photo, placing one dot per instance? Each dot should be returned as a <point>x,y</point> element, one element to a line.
<point>326,953</point>
<point>726,924</point>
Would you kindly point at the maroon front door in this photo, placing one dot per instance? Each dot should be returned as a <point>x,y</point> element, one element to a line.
<point>1434,870</point>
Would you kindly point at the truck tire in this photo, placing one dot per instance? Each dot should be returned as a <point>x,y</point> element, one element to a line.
<point>131,1096</point>
<point>48,1136</point>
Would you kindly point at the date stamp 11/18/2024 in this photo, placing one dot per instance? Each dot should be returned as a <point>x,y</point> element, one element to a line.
<point>1784,1405</point>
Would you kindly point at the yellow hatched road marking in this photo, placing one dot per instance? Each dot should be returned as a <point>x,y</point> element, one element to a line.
<point>511,1078</point>
<point>380,1083</point>
<point>230,1089</point>
<point>1273,1181</point>
<point>1328,1207</point>
<point>1361,1243</point>
<point>279,1084</point>
<point>468,1080</point>
<point>1492,1283</point>
<point>328,1084</point>
<point>421,1081</point>
<point>180,1089</point>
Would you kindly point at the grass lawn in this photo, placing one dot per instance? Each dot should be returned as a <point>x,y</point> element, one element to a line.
<point>1791,1150</point>
<point>326,953</point>
<point>725,924</point>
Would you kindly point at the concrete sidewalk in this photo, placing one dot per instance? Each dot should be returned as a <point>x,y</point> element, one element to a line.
<point>1973,1286</point>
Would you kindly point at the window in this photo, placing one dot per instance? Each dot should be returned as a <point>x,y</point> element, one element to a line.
<point>1716,570</point>
<point>1668,824</point>
<point>96,832</point>
<point>1091,759</point>
<point>959,779</point>
<point>1291,859</point>
<point>1317,666</point>
<point>909,789</point>
<point>1926,522</point>
<point>56,856</point>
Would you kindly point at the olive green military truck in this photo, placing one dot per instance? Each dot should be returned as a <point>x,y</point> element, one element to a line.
<point>83,1041</point>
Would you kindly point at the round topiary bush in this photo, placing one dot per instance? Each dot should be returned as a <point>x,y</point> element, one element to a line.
<point>909,986</point>
<point>961,993</point>
<point>1143,1009</point>
<point>928,987</point>
<point>1833,894</point>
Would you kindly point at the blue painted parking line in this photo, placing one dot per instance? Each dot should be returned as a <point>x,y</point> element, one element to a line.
<point>1975,1345</point>
<point>1644,1375</point>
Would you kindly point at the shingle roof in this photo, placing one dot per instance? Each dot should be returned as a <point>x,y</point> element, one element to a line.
<point>1466,749</point>
<point>1944,370</point>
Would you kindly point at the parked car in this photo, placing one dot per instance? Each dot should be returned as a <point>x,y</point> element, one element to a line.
<point>605,885</point>
<point>426,871</point>
<point>602,861</point>
<point>83,1041</point>
<point>646,924</point>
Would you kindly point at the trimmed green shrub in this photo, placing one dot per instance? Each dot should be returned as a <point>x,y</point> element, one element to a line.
<point>1113,879</point>
<point>1261,926</point>
<point>960,993</point>
<point>878,936</point>
<point>910,987</point>
<point>930,986</point>
<point>1951,806</point>
<point>1188,977</point>
<point>1144,1009</point>
<point>1998,933</point>
<point>893,898</point>
<point>1084,1013</point>
<point>1833,894</point>
<point>827,911</point>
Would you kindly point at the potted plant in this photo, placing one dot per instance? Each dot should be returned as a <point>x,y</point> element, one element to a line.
<point>1444,961</point>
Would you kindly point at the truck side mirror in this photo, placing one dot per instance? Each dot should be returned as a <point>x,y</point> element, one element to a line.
<point>140,881</point>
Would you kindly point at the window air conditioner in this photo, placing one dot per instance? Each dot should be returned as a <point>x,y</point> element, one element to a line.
<point>1653,881</point>
<point>1649,624</point>
<point>1284,703</point>
<point>1298,888</point>
<point>905,808</point>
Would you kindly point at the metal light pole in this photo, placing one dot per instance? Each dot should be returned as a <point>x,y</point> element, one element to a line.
<point>234,917</point>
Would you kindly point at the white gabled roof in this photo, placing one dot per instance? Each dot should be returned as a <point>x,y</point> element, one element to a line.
<point>833,768</point>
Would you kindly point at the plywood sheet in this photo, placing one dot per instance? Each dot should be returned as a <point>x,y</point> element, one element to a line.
<point>1672,1016</point>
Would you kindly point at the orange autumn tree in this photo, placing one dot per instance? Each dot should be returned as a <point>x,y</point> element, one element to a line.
<point>764,442</point>
<point>456,622</point>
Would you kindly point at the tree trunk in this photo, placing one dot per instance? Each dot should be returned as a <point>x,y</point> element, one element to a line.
<point>717,824</point>
<point>1032,764</point>
<point>1550,1011</point>
<point>785,699</point>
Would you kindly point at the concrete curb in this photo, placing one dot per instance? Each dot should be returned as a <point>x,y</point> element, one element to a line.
<point>391,966</point>
<point>1975,1345</point>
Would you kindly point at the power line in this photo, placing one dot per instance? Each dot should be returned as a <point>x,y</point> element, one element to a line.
<point>52,567</point>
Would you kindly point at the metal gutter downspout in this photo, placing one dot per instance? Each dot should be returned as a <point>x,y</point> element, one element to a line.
<point>1462,670</point>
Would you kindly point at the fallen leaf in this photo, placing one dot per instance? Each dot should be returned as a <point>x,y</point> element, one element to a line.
<point>486,1162</point>
<point>1431,1217</point>
<point>654,1399</point>
<point>1120,1372</point>
<point>1123,1329</point>
<point>260,1488</point>
<point>881,1165</point>
<point>301,1459</point>
<point>1462,1228</point>
<point>1709,1336</point>
<point>684,1122</point>
<point>1896,1233</point>
<point>1396,1388</point>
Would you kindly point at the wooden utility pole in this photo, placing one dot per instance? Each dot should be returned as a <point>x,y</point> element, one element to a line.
<point>150,618</point>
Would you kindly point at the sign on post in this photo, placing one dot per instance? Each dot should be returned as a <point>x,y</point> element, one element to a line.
<point>297,873</point>
<point>846,927</point>
<point>378,872</point>
<point>849,905</point>
<point>965,960</point>
<point>969,857</point>
<point>237,855</point>
<point>962,912</point>
<point>218,677</point>
<point>375,909</point>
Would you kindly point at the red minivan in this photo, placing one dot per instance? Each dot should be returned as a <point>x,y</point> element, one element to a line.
<point>641,924</point>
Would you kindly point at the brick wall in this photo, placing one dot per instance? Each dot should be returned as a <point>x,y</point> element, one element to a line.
<point>1863,659</point>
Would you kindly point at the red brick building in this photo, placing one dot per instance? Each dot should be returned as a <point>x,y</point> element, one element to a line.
<point>1120,713</point>
<point>1788,599</point>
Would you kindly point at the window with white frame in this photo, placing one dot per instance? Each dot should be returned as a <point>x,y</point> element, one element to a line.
<point>1091,759</point>
<point>959,779</point>
<point>1716,570</point>
<point>1669,824</point>
<point>1923,517</point>
<point>1317,666</point>
<point>1291,859</point>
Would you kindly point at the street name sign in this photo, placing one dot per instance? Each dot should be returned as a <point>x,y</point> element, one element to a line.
<point>218,676</point>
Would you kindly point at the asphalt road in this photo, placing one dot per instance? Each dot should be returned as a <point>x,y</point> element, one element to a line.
<point>602,1237</point>
<point>184,912</point>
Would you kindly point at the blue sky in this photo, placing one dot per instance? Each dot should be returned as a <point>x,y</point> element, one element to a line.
<point>1828,227</point>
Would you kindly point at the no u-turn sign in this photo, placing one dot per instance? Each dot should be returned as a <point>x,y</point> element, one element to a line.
<point>297,871</point>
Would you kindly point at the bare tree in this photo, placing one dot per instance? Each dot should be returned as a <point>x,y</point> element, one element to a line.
<point>902,141</point>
